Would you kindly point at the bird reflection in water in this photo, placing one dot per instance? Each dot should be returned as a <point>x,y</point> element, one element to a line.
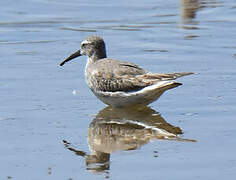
<point>189,9</point>
<point>122,130</point>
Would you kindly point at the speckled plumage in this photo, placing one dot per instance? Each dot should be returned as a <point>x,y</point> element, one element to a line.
<point>113,75</point>
<point>106,76</point>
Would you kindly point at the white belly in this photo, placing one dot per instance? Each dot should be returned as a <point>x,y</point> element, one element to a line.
<point>142,97</point>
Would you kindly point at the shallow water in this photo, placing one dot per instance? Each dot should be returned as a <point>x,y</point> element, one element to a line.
<point>51,124</point>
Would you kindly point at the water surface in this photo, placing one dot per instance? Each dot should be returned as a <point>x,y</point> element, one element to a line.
<point>49,120</point>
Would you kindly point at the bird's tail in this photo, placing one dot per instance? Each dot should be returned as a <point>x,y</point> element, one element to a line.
<point>166,85</point>
<point>164,77</point>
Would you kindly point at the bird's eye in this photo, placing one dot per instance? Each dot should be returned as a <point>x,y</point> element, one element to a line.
<point>84,45</point>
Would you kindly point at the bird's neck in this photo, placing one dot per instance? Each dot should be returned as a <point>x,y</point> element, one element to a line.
<point>98,55</point>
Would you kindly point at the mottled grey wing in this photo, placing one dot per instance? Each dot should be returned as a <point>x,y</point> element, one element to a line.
<point>115,75</point>
<point>126,68</point>
<point>118,68</point>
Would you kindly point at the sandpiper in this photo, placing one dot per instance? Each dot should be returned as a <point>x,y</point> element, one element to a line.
<point>119,83</point>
